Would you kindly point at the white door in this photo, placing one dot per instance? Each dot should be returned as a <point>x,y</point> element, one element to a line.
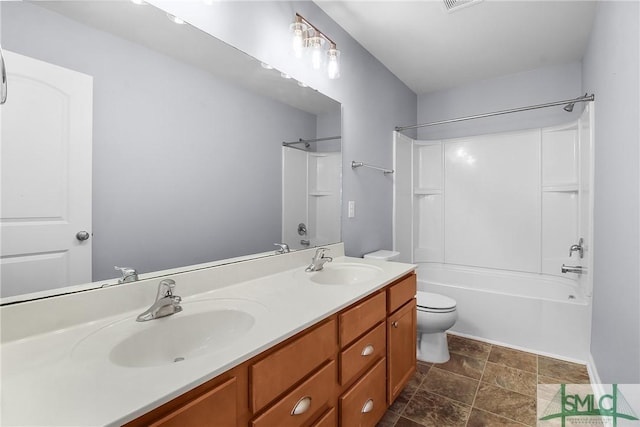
<point>46,140</point>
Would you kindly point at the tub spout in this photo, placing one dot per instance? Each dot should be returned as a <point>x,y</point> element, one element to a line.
<point>571,269</point>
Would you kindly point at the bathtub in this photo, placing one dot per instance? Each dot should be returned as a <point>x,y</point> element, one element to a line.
<point>547,315</point>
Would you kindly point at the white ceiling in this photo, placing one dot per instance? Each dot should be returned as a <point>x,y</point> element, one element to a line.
<point>430,49</point>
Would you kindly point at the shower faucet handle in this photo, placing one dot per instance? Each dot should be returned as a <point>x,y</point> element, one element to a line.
<point>579,248</point>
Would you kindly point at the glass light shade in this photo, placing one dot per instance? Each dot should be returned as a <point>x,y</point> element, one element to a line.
<point>298,31</point>
<point>333,64</point>
<point>317,53</point>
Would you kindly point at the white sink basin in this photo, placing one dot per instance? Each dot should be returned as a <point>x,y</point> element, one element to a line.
<point>345,274</point>
<point>203,327</point>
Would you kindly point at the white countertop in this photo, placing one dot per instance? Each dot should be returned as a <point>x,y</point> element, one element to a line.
<point>56,378</point>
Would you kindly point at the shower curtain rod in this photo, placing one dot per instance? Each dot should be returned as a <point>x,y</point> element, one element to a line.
<point>584,98</point>
<point>304,141</point>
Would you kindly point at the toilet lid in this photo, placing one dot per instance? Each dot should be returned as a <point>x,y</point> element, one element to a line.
<point>435,301</point>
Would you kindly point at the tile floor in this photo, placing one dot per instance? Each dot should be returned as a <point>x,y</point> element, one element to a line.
<point>481,385</point>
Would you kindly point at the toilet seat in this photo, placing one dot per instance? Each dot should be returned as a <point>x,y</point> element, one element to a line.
<point>435,303</point>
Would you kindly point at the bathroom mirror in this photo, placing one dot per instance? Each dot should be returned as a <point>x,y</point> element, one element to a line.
<point>185,149</point>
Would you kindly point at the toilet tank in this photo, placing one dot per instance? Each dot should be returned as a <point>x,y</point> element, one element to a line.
<point>383,255</point>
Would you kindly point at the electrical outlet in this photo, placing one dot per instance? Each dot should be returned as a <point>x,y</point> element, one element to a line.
<point>352,209</point>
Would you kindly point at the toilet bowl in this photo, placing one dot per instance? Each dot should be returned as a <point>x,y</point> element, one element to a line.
<point>436,314</point>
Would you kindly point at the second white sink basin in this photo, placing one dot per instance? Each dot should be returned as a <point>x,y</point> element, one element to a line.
<point>202,327</point>
<point>345,274</point>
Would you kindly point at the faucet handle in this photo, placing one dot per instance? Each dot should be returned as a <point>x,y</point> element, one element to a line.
<point>165,288</point>
<point>128,274</point>
<point>284,248</point>
<point>320,252</point>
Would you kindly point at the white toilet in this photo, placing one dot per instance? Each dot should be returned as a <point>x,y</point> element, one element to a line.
<point>436,314</point>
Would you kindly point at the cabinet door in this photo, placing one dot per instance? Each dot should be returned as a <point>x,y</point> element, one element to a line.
<point>401,349</point>
<point>217,407</point>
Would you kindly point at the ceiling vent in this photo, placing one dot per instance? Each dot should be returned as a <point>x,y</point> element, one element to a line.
<point>455,5</point>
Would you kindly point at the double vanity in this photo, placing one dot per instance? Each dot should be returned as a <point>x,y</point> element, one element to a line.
<point>260,342</point>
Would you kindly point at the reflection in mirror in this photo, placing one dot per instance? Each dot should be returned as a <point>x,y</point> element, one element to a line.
<point>311,206</point>
<point>159,141</point>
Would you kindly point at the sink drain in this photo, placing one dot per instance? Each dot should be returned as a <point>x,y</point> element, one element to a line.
<point>178,359</point>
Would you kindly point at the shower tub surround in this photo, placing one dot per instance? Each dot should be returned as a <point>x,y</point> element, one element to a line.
<point>50,378</point>
<point>492,219</point>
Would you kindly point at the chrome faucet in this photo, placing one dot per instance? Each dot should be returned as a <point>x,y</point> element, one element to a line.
<point>166,303</point>
<point>128,274</point>
<point>284,248</point>
<point>318,261</point>
<point>577,248</point>
<point>571,269</point>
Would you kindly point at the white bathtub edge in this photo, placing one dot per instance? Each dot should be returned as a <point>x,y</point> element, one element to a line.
<point>520,348</point>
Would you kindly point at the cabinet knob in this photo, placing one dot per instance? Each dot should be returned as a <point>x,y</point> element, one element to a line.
<point>302,406</point>
<point>367,350</point>
<point>395,324</point>
<point>368,406</point>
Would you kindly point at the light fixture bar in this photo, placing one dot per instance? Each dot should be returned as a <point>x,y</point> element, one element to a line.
<point>300,18</point>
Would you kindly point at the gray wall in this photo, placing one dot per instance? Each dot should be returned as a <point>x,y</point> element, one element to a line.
<point>186,168</point>
<point>611,71</point>
<point>533,87</point>
<point>373,100</point>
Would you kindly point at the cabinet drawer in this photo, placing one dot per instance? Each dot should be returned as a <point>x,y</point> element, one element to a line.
<point>360,318</point>
<point>401,292</point>
<point>216,407</point>
<point>277,372</point>
<point>328,419</point>
<point>310,397</point>
<point>362,354</point>
<point>365,403</point>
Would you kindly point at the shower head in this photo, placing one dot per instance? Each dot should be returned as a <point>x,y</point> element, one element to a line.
<point>569,107</point>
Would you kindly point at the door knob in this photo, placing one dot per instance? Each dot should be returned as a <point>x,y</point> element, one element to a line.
<point>82,235</point>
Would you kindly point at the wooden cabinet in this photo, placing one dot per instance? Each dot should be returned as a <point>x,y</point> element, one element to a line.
<point>362,354</point>
<point>401,336</point>
<point>216,407</point>
<point>283,368</point>
<point>401,340</point>
<point>361,317</point>
<point>344,371</point>
<point>216,403</point>
<point>305,403</point>
<point>365,402</point>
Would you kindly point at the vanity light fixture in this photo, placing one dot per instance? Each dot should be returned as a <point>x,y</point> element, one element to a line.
<point>306,36</point>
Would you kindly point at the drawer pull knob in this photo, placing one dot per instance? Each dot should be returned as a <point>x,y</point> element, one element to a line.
<point>368,406</point>
<point>394,324</point>
<point>367,350</point>
<point>302,406</point>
